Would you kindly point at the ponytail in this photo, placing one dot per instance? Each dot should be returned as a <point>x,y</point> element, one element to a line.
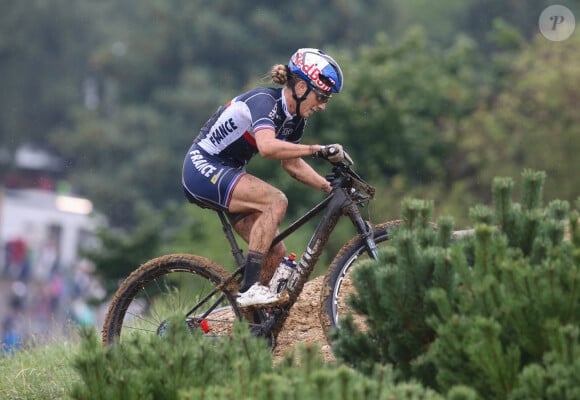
<point>279,74</point>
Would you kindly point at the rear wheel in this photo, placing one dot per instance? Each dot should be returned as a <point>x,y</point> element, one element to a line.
<point>338,284</point>
<point>178,285</point>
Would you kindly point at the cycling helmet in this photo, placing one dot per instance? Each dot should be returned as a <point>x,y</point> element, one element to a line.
<point>317,68</point>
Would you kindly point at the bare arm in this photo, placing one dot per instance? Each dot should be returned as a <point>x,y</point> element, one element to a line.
<point>276,149</point>
<point>300,170</point>
<point>290,154</point>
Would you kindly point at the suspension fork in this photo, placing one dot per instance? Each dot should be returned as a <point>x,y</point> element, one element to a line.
<point>364,228</point>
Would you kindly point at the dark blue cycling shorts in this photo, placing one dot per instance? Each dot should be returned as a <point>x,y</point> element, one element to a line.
<point>207,180</point>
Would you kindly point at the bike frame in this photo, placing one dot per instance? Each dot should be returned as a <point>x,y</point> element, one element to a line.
<point>338,202</point>
<point>335,205</point>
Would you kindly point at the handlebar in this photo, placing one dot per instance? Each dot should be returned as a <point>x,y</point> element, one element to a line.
<point>344,175</point>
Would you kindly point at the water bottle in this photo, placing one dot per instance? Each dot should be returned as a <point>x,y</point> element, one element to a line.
<point>283,273</point>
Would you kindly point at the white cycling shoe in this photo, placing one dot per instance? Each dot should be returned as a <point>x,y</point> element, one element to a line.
<point>261,296</point>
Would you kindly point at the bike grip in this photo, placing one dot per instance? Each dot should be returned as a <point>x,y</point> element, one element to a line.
<point>332,150</point>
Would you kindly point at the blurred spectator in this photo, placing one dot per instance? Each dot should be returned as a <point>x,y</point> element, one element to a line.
<point>57,289</point>
<point>82,278</point>
<point>16,265</point>
<point>47,261</point>
<point>11,339</point>
<point>18,296</point>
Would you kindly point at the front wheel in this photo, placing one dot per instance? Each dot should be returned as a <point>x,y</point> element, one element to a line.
<point>338,286</point>
<point>178,285</point>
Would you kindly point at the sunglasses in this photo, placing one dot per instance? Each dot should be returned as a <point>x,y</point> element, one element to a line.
<point>321,97</point>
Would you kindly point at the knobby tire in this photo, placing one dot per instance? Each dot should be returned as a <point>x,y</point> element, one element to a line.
<point>168,286</point>
<point>337,284</point>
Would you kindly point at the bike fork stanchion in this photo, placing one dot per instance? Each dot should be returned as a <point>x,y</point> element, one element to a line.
<point>370,241</point>
<point>366,231</point>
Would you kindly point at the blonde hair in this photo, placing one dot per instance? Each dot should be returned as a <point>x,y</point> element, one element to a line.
<point>281,75</point>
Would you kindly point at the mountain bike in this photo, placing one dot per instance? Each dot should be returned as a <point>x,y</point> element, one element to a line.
<point>203,293</point>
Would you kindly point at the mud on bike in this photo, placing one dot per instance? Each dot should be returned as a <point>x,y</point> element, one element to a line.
<point>205,292</point>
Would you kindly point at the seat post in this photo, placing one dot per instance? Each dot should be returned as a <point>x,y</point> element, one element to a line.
<point>227,228</point>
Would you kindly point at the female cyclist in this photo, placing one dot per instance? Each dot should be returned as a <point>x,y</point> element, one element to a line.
<point>271,122</point>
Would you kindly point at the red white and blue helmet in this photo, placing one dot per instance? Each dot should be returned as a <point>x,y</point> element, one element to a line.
<point>317,68</point>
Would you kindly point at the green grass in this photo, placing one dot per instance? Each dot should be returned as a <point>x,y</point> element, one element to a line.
<point>46,370</point>
<point>39,371</point>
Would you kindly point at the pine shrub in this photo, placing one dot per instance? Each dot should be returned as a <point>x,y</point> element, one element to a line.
<point>159,367</point>
<point>186,365</point>
<point>311,379</point>
<point>487,311</point>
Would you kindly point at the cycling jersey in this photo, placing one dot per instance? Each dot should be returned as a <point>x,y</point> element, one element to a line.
<point>216,161</point>
<point>230,132</point>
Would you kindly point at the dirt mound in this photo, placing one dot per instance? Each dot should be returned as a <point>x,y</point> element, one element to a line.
<point>303,324</point>
<point>301,327</point>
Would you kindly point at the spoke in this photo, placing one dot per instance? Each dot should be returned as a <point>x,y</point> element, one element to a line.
<point>163,292</point>
<point>136,328</point>
<point>149,321</point>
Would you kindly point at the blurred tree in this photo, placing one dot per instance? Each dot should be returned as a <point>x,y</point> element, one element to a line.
<point>523,15</point>
<point>120,88</point>
<point>43,48</point>
<point>445,19</point>
<point>398,100</point>
<point>439,18</point>
<point>163,74</point>
<point>531,123</point>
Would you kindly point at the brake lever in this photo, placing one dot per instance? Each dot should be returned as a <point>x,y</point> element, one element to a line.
<point>348,158</point>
